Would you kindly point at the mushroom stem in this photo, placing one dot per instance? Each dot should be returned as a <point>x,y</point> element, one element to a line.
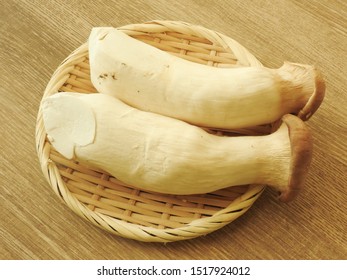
<point>226,98</point>
<point>166,155</point>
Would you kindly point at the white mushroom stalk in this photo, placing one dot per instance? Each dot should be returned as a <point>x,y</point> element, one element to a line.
<point>228,98</point>
<point>166,155</point>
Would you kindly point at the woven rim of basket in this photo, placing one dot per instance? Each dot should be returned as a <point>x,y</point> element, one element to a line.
<point>124,210</point>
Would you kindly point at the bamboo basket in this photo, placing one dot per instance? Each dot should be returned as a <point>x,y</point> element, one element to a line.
<point>124,210</point>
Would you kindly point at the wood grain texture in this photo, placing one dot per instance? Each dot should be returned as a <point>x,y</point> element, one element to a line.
<point>35,36</point>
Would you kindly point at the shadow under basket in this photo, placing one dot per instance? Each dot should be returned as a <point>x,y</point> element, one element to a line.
<point>127,211</point>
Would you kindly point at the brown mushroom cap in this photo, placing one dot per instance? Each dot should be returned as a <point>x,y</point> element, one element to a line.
<point>301,147</point>
<point>316,98</point>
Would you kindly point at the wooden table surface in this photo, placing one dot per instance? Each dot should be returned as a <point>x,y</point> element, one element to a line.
<point>35,36</point>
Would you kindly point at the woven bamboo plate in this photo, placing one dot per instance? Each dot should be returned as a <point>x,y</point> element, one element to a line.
<point>127,211</point>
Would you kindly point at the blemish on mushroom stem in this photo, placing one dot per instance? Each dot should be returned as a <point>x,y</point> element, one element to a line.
<point>103,37</point>
<point>103,76</point>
